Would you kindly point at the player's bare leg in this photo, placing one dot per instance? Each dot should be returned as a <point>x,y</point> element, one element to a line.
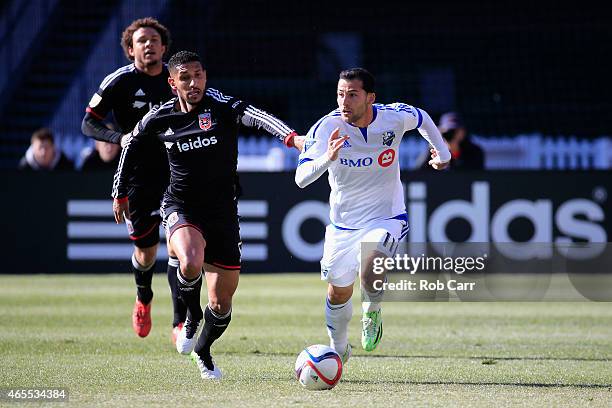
<point>143,261</point>
<point>338,313</point>
<point>188,244</point>
<point>221,284</point>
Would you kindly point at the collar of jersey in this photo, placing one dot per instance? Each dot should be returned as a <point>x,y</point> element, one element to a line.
<point>364,130</point>
<point>374,114</point>
<point>164,71</point>
<point>195,111</point>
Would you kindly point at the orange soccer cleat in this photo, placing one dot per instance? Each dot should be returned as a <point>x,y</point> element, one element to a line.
<point>141,318</point>
<point>175,332</point>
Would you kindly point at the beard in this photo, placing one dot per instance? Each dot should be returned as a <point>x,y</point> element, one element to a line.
<point>151,63</point>
<point>354,117</point>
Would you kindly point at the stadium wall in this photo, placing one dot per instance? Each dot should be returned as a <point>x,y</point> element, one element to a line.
<point>63,223</point>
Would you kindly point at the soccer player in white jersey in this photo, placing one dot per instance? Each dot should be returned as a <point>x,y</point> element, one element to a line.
<point>358,145</point>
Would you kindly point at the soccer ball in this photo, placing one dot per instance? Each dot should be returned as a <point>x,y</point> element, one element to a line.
<point>318,367</point>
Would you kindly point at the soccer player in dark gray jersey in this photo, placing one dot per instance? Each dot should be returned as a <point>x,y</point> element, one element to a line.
<point>202,147</point>
<point>129,93</point>
<point>199,130</point>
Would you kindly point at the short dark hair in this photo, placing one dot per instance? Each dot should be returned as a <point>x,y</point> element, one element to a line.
<point>150,22</point>
<point>183,57</point>
<point>43,134</point>
<point>367,79</point>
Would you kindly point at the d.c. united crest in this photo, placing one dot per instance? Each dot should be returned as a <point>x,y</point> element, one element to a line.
<point>205,121</point>
<point>388,137</point>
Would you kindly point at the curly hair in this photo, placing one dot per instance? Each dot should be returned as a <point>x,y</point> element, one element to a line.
<point>126,37</point>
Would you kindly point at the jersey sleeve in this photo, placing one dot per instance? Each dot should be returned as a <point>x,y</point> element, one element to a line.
<point>144,130</point>
<point>428,130</point>
<point>253,117</point>
<point>315,144</point>
<point>412,116</point>
<point>103,100</point>
<point>100,104</point>
<point>313,161</point>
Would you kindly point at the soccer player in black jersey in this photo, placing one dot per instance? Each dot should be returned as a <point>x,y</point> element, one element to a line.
<point>129,93</point>
<point>199,129</point>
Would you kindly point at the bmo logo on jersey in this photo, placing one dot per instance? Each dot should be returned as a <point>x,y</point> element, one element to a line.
<point>386,158</point>
<point>199,143</point>
<point>361,162</point>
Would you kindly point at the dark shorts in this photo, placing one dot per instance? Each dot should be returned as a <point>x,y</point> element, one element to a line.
<point>143,225</point>
<point>220,230</point>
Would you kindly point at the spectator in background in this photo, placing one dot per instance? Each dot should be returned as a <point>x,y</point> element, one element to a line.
<point>103,156</point>
<point>466,155</point>
<point>43,155</point>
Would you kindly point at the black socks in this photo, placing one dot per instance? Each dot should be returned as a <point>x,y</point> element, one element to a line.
<point>143,277</point>
<point>189,291</point>
<point>214,326</point>
<point>179,308</point>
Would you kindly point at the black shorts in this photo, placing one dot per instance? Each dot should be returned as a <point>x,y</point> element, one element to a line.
<point>220,230</point>
<point>143,225</point>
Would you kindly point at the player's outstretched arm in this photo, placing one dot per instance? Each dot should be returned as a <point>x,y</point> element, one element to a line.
<point>310,170</point>
<point>430,132</point>
<point>253,117</point>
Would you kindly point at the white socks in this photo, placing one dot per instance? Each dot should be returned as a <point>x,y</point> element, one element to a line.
<point>373,299</point>
<point>370,306</point>
<point>338,318</point>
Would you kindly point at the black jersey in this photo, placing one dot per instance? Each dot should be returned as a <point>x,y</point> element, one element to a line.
<point>202,147</point>
<point>129,94</point>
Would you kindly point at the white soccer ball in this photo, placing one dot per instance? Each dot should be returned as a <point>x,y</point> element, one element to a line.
<point>318,367</point>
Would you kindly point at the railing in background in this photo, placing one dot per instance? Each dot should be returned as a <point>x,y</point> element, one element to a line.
<point>538,152</point>
<point>523,152</point>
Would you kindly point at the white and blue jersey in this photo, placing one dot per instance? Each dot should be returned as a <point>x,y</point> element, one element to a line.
<point>365,179</point>
<point>367,197</point>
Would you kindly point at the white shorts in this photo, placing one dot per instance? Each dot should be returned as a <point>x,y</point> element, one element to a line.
<point>342,251</point>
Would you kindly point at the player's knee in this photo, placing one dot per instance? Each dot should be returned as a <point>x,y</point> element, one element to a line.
<point>337,299</point>
<point>339,296</point>
<point>145,256</point>
<point>220,304</point>
<point>190,267</point>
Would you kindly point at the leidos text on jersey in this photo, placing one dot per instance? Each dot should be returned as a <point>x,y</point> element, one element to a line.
<point>200,142</point>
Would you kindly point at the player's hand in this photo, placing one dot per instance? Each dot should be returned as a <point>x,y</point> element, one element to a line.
<point>121,209</point>
<point>125,139</point>
<point>435,161</point>
<point>335,143</point>
<point>298,142</point>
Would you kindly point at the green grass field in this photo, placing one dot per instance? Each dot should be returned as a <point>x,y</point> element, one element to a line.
<point>75,332</point>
